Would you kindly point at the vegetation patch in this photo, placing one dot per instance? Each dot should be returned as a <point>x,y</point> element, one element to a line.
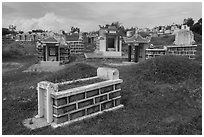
<point>171,69</point>
<point>79,84</point>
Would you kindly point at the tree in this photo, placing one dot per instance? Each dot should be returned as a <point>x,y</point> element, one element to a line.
<point>74,29</point>
<point>189,22</point>
<point>5,31</point>
<point>197,27</point>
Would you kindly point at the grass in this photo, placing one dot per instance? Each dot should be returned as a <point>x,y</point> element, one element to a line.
<point>79,84</point>
<point>164,40</point>
<point>164,107</point>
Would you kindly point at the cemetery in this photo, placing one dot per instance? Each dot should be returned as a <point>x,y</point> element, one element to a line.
<point>158,92</point>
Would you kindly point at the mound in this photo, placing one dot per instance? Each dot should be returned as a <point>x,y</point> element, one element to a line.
<point>171,69</point>
<point>165,40</point>
<point>19,48</point>
<point>73,72</point>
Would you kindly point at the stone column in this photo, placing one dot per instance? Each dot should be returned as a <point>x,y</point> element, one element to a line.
<point>136,54</point>
<point>48,88</point>
<point>108,73</point>
<point>129,52</point>
<point>40,100</point>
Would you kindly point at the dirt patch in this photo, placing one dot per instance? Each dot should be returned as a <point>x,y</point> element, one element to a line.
<point>42,68</point>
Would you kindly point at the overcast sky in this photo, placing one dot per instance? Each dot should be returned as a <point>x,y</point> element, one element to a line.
<point>87,16</point>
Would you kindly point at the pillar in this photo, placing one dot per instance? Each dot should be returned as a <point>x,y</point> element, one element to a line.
<point>136,54</point>
<point>45,88</point>
<point>129,52</point>
<point>40,101</point>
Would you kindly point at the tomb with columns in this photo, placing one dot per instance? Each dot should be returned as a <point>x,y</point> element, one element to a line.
<point>137,44</point>
<point>52,51</point>
<point>108,43</point>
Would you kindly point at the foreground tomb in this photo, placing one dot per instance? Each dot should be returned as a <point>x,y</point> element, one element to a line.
<point>60,103</point>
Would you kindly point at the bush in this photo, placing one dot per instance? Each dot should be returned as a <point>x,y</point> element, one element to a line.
<point>74,72</point>
<point>171,69</point>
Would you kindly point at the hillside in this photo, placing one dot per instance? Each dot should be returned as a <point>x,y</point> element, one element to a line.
<point>163,40</point>
<point>161,96</point>
<point>18,48</point>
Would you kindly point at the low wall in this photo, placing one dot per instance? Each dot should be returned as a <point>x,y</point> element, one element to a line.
<point>70,105</point>
<point>179,50</point>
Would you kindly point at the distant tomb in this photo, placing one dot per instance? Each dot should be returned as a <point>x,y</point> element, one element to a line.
<point>109,42</point>
<point>136,43</point>
<point>184,37</point>
<point>75,42</point>
<point>52,52</point>
<point>183,46</point>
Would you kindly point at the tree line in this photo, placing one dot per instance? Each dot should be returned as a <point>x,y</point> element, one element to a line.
<point>195,27</point>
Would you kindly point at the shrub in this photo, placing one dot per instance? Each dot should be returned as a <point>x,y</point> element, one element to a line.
<point>165,40</point>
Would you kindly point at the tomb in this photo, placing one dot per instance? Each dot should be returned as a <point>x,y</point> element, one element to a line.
<point>184,37</point>
<point>64,103</point>
<point>183,46</point>
<point>108,44</point>
<point>52,52</point>
<point>138,44</point>
<point>75,42</point>
<point>92,38</point>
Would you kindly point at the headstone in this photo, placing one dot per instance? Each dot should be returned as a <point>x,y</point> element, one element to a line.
<point>184,37</point>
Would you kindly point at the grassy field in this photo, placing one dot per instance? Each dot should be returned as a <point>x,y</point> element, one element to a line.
<point>158,96</point>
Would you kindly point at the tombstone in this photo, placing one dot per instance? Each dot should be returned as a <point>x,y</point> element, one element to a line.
<point>184,37</point>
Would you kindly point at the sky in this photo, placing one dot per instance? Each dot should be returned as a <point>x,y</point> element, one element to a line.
<point>88,16</point>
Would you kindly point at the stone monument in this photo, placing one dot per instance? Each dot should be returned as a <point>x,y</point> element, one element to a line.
<point>184,37</point>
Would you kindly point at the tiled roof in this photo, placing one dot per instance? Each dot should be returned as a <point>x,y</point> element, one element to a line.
<point>50,39</point>
<point>135,39</point>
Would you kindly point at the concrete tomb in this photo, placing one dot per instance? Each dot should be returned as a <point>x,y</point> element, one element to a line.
<point>52,52</point>
<point>183,46</point>
<point>60,103</point>
<point>184,37</point>
<point>138,44</point>
<point>109,42</point>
